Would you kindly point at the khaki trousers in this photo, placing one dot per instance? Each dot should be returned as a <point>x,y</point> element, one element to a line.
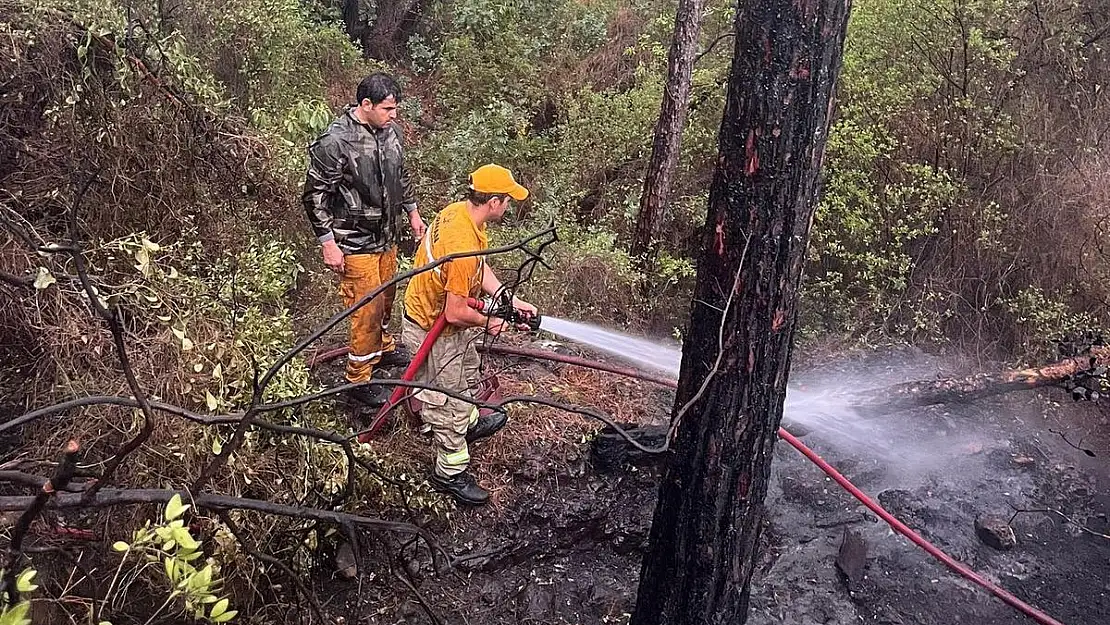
<point>362,274</point>
<point>452,364</point>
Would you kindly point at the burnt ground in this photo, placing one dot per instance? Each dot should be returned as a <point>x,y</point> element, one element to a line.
<point>564,541</point>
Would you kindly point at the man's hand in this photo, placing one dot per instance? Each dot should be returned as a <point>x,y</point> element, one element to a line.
<point>496,326</point>
<point>528,309</point>
<point>333,257</point>
<point>417,224</point>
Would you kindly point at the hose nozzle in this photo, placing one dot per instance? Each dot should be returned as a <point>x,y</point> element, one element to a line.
<point>502,308</point>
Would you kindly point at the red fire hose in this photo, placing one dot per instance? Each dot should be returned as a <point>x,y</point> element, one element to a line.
<point>890,519</point>
<point>408,376</point>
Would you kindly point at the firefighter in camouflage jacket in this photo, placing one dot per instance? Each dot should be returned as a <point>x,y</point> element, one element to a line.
<point>356,194</point>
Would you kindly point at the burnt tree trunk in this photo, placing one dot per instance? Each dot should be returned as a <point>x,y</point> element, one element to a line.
<point>710,509</point>
<point>668,129</point>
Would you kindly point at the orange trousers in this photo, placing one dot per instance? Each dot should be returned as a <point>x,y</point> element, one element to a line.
<point>370,338</point>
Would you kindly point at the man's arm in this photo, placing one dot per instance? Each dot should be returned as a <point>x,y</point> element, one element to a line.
<point>457,275</point>
<point>324,173</point>
<point>459,313</point>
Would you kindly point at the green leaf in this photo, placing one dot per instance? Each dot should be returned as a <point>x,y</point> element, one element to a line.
<point>211,401</point>
<point>119,545</point>
<point>17,615</point>
<point>185,539</point>
<point>225,617</point>
<point>174,509</point>
<point>217,446</point>
<point>23,582</point>
<point>219,608</point>
<point>204,578</point>
<point>44,278</point>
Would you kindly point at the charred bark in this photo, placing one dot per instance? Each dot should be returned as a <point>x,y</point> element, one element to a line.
<point>710,510</point>
<point>668,129</point>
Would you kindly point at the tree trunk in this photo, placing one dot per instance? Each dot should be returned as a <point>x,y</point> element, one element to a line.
<point>353,21</point>
<point>380,40</point>
<point>710,509</point>
<point>668,129</point>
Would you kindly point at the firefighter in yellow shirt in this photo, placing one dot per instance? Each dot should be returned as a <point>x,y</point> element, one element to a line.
<point>453,361</point>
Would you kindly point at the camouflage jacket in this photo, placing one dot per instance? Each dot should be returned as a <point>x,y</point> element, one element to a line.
<point>357,186</point>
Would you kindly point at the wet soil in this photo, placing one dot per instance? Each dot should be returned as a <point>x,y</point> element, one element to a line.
<point>567,546</point>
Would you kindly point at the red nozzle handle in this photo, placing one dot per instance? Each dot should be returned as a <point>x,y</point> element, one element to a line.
<point>474,303</point>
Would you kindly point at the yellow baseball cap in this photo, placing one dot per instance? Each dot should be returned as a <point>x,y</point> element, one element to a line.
<point>496,179</point>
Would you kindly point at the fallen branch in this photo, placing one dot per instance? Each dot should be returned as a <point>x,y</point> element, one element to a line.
<point>36,481</point>
<point>116,497</point>
<point>35,506</point>
<point>17,281</point>
<point>209,420</point>
<point>925,393</point>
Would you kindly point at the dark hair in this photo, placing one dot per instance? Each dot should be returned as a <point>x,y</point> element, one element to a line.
<point>478,198</point>
<point>377,87</point>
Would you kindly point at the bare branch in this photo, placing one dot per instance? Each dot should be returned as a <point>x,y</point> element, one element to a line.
<point>720,347</point>
<point>1077,446</point>
<point>416,593</point>
<point>115,497</point>
<point>108,400</point>
<point>17,281</point>
<point>713,44</point>
<point>110,316</point>
<point>35,505</point>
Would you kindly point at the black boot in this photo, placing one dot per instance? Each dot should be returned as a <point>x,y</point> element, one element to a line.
<point>373,397</point>
<point>399,357</point>
<point>486,426</point>
<point>463,486</point>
